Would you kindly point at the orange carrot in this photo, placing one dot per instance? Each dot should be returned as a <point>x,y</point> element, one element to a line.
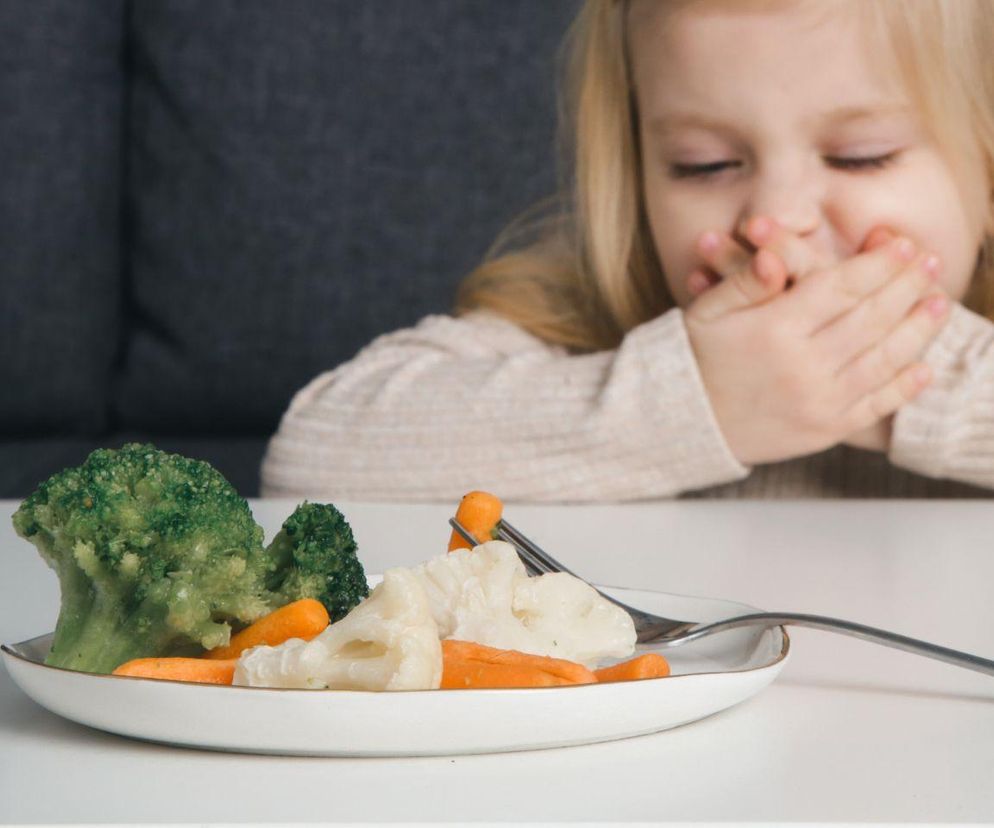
<point>479,513</point>
<point>201,670</point>
<point>300,619</point>
<point>466,664</point>
<point>650,665</point>
<point>465,675</point>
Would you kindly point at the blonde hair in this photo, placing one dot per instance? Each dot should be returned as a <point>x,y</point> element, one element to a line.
<point>580,270</point>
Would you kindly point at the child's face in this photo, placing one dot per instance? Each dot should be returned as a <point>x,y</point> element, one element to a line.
<point>767,83</point>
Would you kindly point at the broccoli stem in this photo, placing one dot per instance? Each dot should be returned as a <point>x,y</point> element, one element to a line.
<point>78,596</point>
<point>101,638</point>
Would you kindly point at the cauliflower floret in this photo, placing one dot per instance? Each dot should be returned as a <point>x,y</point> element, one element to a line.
<point>388,642</point>
<point>470,591</point>
<point>563,610</point>
<point>485,595</point>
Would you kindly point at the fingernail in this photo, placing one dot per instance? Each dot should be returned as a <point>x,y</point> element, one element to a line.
<point>936,306</point>
<point>922,374</point>
<point>932,265</point>
<point>905,249</point>
<point>708,242</point>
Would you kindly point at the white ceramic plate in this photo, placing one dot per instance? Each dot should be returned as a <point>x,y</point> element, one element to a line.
<point>707,676</point>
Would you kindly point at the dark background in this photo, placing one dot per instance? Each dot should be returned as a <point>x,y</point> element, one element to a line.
<point>205,203</point>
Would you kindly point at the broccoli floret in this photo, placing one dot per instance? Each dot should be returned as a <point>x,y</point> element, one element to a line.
<point>156,554</point>
<point>314,556</point>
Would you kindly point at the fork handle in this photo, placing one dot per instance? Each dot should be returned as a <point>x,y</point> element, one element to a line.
<point>837,625</point>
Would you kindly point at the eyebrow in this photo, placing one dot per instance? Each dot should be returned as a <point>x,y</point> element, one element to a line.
<point>667,122</point>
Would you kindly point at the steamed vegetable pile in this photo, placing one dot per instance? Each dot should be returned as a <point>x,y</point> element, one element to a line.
<point>158,555</point>
<point>164,575</point>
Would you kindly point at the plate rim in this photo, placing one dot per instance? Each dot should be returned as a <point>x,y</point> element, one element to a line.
<point>147,712</point>
<point>10,650</point>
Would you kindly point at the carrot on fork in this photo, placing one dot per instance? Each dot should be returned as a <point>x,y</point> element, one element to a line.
<point>200,670</point>
<point>299,619</point>
<point>478,512</point>
<point>650,665</point>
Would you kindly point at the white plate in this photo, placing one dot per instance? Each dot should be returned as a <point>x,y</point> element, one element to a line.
<point>708,676</point>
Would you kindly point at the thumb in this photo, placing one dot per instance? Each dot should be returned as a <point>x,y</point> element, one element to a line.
<point>763,278</point>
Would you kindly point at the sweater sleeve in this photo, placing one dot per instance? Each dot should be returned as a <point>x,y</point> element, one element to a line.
<point>948,431</point>
<point>455,404</point>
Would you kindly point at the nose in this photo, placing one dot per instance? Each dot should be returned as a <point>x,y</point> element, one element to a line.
<point>789,193</point>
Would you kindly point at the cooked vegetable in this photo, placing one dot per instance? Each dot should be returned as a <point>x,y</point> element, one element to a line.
<point>484,595</point>
<point>478,513</point>
<point>302,619</point>
<point>650,665</point>
<point>314,556</point>
<point>200,670</point>
<point>467,665</point>
<point>157,555</point>
<point>388,642</point>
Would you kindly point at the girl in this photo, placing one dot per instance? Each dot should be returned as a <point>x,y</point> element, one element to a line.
<point>772,276</point>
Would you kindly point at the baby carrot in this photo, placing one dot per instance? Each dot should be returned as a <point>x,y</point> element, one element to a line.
<point>459,674</point>
<point>300,619</point>
<point>468,664</point>
<point>479,513</point>
<point>201,670</point>
<point>650,665</point>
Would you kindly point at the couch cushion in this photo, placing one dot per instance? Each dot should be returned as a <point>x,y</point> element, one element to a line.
<point>306,175</point>
<point>61,88</point>
<point>27,462</point>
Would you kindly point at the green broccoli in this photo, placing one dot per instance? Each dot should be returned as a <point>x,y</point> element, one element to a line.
<point>298,564</point>
<point>157,554</point>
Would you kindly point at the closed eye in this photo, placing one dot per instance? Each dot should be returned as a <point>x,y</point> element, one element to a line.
<point>875,162</point>
<point>699,170</point>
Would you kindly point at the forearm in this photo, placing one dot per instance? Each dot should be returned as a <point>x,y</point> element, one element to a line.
<point>948,432</point>
<point>446,407</point>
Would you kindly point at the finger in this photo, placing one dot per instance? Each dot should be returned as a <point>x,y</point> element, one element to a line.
<point>744,289</point>
<point>830,292</point>
<point>722,254</point>
<point>700,280</point>
<point>770,270</point>
<point>878,314</point>
<point>879,365</point>
<point>884,401</point>
<point>877,237</point>
<point>763,277</point>
<point>798,256</point>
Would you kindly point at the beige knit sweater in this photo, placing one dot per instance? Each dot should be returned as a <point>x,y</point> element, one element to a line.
<point>456,404</point>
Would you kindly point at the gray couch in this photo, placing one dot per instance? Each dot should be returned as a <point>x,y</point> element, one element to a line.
<point>204,203</point>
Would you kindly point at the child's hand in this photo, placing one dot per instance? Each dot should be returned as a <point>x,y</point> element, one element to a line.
<point>877,437</point>
<point>764,273</point>
<point>793,372</point>
<point>780,258</point>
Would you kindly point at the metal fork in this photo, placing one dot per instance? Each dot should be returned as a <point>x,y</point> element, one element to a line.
<point>663,632</point>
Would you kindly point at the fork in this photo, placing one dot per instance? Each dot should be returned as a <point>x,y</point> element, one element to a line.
<point>662,632</point>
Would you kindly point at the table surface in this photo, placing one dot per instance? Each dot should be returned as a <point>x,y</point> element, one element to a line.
<point>848,732</point>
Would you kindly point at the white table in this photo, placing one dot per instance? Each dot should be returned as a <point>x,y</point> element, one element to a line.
<point>848,732</point>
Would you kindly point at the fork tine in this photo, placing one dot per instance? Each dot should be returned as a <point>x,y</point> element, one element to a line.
<point>539,562</point>
<point>462,530</point>
<point>530,564</point>
<point>521,544</point>
<point>529,550</point>
<point>506,531</point>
